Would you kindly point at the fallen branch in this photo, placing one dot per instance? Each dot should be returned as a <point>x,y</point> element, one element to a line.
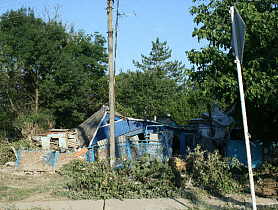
<point>15,153</point>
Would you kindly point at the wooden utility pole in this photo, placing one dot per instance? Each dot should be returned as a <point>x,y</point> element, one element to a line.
<point>111,83</point>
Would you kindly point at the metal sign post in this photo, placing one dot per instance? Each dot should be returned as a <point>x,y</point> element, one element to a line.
<point>238,33</point>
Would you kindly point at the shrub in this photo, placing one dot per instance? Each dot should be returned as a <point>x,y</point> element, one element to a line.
<point>139,179</point>
<point>212,172</point>
<point>145,178</point>
<point>7,153</point>
<point>32,123</point>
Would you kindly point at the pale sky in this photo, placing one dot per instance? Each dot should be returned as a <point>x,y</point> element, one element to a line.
<point>168,20</point>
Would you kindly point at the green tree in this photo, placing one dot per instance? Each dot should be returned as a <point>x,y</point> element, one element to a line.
<point>160,85</point>
<point>47,71</point>
<point>189,104</point>
<point>32,44</point>
<point>214,68</point>
<point>76,86</point>
<point>154,84</point>
<point>137,90</point>
<point>158,63</point>
<point>28,45</point>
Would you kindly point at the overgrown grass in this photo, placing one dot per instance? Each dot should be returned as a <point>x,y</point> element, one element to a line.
<point>21,187</point>
<point>15,194</point>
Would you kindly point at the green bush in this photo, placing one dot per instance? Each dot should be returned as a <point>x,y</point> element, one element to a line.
<point>145,178</point>
<point>6,150</point>
<point>266,170</point>
<point>32,123</point>
<point>212,172</point>
<point>138,179</point>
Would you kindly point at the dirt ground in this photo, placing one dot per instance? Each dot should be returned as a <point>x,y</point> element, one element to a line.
<point>29,186</point>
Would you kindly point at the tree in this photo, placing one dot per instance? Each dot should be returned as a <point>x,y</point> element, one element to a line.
<point>158,63</point>
<point>32,44</point>
<point>161,86</point>
<point>214,68</point>
<point>47,71</point>
<point>137,90</point>
<point>189,104</point>
<point>154,85</point>
<point>74,89</point>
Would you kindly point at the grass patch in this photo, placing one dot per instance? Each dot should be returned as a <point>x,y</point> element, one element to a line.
<point>21,187</point>
<point>15,194</point>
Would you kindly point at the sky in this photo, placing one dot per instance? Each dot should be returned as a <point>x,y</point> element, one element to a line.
<point>143,22</point>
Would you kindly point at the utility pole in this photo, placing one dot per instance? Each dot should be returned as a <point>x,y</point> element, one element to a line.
<point>111,83</point>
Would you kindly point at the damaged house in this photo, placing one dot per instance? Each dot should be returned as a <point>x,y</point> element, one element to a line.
<point>136,137</point>
<point>211,131</point>
<point>133,137</point>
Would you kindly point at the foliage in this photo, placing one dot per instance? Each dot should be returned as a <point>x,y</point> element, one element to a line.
<point>160,85</point>
<point>266,170</point>
<point>214,69</point>
<point>158,63</point>
<point>189,104</point>
<point>32,123</point>
<point>46,69</point>
<point>153,179</point>
<point>137,90</point>
<point>212,172</point>
<point>139,179</point>
<point>7,153</point>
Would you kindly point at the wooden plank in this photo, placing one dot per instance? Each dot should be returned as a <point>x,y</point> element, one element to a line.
<point>80,152</point>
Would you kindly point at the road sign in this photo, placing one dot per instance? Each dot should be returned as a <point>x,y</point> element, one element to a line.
<point>239,26</point>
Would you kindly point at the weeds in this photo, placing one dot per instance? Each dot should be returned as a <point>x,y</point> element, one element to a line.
<point>21,187</point>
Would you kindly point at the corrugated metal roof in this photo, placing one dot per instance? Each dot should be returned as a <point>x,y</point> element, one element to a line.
<point>218,117</point>
<point>89,127</point>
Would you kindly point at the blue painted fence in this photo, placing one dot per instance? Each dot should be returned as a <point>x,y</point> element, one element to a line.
<point>132,149</point>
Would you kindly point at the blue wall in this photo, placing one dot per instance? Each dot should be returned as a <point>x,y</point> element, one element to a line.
<point>121,127</point>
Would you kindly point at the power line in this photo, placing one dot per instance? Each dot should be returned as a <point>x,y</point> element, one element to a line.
<point>20,4</point>
<point>71,3</point>
<point>129,3</point>
<point>7,1</point>
<point>60,6</point>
